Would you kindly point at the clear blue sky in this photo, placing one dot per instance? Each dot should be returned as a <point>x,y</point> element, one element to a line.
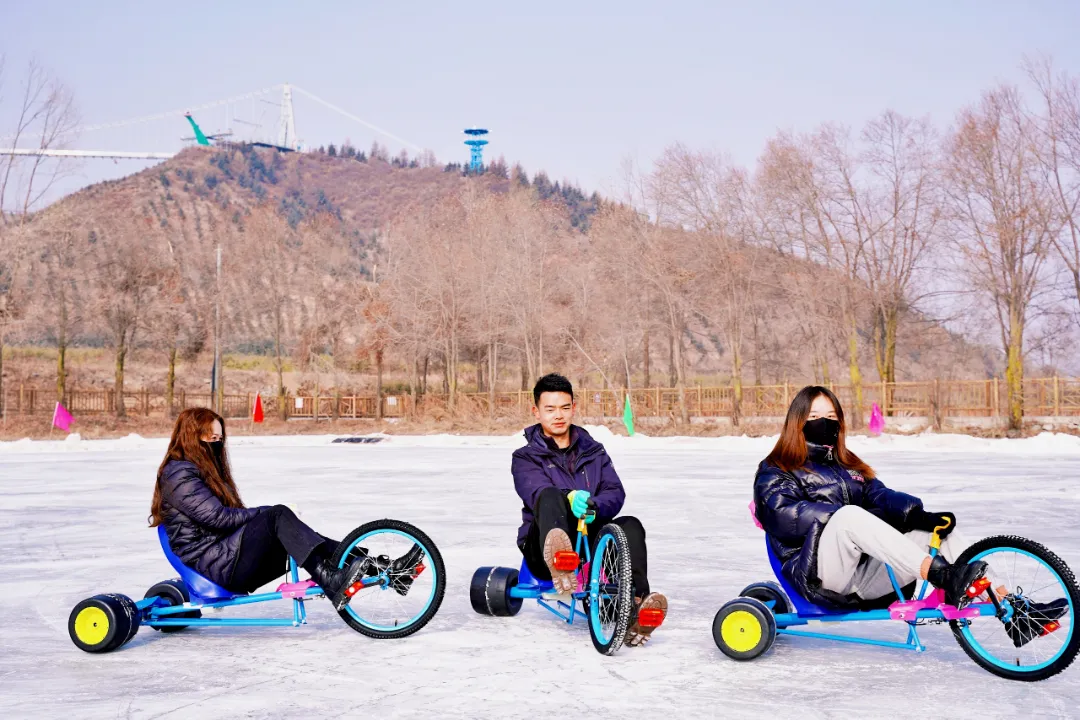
<point>563,88</point>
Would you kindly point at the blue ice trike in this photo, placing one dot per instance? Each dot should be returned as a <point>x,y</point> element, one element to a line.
<point>386,603</point>
<point>604,595</point>
<point>994,628</point>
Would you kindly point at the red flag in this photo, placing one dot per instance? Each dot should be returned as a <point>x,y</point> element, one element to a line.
<point>257,416</point>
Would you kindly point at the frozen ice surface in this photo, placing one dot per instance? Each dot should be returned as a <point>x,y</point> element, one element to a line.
<point>73,524</point>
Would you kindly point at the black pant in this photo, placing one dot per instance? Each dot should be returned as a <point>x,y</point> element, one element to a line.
<point>269,539</point>
<point>553,511</point>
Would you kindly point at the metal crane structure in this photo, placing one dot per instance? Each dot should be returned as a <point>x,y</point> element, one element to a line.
<point>200,137</point>
<point>286,138</point>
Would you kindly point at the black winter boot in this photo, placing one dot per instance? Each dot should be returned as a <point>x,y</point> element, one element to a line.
<point>406,569</point>
<point>336,581</point>
<point>1031,619</point>
<point>955,579</point>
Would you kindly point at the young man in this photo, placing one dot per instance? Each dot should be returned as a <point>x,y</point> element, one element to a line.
<point>556,474</point>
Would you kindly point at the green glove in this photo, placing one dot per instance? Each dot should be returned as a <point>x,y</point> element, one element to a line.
<point>579,505</point>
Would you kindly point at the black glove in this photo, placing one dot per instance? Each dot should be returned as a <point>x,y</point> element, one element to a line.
<point>919,519</point>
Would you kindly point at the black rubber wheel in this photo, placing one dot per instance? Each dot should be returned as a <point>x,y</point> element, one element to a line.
<point>103,623</point>
<point>768,592</point>
<point>175,592</point>
<point>615,594</point>
<point>489,591</point>
<point>431,555</point>
<point>963,632</point>
<point>744,628</point>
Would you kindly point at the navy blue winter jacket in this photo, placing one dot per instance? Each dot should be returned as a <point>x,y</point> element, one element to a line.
<point>585,465</point>
<point>794,507</point>
<point>203,533</point>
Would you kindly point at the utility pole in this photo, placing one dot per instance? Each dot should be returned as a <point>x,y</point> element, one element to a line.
<point>219,396</point>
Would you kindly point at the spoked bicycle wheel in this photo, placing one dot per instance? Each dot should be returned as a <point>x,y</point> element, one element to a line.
<point>407,578</point>
<point>610,592</point>
<point>1040,639</point>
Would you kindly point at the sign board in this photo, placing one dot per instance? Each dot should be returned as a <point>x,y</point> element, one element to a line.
<point>391,401</point>
<point>299,403</point>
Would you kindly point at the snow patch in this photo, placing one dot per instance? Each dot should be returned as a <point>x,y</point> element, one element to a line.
<point>928,441</point>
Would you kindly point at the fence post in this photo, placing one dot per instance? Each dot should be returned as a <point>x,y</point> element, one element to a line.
<point>21,393</point>
<point>1057,398</point>
<point>884,398</point>
<point>994,398</point>
<point>699,411</point>
<point>936,408</point>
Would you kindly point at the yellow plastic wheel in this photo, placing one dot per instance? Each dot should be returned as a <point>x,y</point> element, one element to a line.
<point>741,631</point>
<point>91,625</point>
<point>103,623</point>
<point>744,628</point>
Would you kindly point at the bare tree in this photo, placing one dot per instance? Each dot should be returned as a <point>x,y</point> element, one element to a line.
<point>904,208</point>
<point>1058,148</point>
<point>1002,220</point>
<point>46,116</point>
<point>13,279</point>
<point>128,271</point>
<point>60,282</point>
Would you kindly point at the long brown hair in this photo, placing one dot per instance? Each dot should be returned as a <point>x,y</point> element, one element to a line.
<point>186,444</point>
<point>790,452</point>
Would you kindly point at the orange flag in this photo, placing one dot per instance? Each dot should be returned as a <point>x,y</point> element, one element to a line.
<point>257,415</point>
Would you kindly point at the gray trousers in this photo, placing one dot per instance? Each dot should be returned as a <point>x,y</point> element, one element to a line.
<point>856,546</point>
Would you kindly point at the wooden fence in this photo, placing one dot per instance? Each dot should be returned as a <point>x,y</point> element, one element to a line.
<point>933,401</point>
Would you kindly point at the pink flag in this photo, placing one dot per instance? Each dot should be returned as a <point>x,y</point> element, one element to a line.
<point>62,418</point>
<point>877,420</point>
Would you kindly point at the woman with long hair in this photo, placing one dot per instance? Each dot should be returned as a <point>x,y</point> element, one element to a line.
<point>835,526</point>
<point>211,531</point>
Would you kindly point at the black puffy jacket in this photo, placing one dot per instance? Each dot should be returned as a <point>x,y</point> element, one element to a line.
<point>203,533</point>
<point>794,507</point>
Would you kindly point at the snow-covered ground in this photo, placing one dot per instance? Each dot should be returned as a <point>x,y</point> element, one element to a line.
<point>73,524</point>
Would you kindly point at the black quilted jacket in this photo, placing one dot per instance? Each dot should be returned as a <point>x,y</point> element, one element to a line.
<point>794,507</point>
<point>203,533</point>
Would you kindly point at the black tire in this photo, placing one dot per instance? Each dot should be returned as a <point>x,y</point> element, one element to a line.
<point>489,591</point>
<point>433,556</point>
<point>623,593</point>
<point>768,592</point>
<point>744,629</point>
<point>175,592</point>
<point>1067,579</point>
<point>103,623</point>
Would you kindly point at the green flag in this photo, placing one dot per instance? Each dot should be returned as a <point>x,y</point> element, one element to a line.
<point>628,416</point>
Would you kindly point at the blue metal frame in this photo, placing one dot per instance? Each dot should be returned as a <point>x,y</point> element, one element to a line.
<point>529,587</point>
<point>805,612</point>
<point>156,610</point>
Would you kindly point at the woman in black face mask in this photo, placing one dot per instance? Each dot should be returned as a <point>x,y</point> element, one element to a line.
<point>211,531</point>
<point>834,525</point>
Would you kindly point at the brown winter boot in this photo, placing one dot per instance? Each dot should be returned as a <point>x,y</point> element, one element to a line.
<point>557,552</point>
<point>648,614</point>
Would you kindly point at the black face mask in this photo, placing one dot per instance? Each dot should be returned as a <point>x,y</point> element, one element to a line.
<point>823,431</point>
<point>216,449</point>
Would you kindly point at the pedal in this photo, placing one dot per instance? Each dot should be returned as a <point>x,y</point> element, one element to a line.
<point>566,561</point>
<point>417,570</point>
<point>1049,628</point>
<point>354,588</point>
<point>650,618</point>
<point>978,587</point>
